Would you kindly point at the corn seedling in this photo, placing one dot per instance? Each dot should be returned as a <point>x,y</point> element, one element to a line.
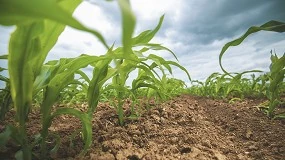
<point>126,60</point>
<point>38,25</point>
<point>276,74</point>
<point>124,66</point>
<point>5,95</point>
<point>276,78</point>
<point>230,85</point>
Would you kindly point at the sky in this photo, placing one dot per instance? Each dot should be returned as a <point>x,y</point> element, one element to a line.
<point>195,30</point>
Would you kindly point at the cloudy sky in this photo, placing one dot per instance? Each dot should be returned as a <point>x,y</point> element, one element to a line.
<point>195,30</point>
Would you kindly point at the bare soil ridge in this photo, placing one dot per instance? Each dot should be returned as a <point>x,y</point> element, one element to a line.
<point>185,127</point>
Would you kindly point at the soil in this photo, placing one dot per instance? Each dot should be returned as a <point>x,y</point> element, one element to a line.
<point>185,127</point>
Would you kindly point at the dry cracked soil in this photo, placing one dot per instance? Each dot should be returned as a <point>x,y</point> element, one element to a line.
<point>185,127</point>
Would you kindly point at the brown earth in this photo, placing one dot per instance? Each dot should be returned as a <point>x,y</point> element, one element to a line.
<point>185,127</point>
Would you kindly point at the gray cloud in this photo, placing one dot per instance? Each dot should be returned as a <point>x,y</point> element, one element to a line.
<point>202,21</point>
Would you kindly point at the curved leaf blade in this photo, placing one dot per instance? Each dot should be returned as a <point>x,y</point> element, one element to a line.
<point>274,26</point>
<point>147,35</point>
<point>128,25</point>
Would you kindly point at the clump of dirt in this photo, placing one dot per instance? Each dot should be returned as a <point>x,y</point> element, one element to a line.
<point>185,127</point>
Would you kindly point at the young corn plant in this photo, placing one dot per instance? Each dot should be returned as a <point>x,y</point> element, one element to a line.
<point>173,87</point>
<point>75,93</point>
<point>6,100</point>
<point>53,80</point>
<point>5,94</point>
<point>195,88</point>
<point>235,86</point>
<point>38,25</point>
<point>276,79</point>
<point>231,85</point>
<point>262,84</point>
<point>127,59</point>
<point>123,67</point>
<point>248,86</point>
<point>276,75</point>
<point>214,86</point>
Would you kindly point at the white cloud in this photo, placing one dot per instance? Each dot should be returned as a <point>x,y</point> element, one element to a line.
<point>95,17</point>
<point>149,10</point>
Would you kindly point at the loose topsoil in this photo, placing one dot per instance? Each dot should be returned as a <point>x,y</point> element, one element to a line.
<point>185,127</point>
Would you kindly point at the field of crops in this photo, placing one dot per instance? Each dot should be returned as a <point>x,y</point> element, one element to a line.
<point>54,110</point>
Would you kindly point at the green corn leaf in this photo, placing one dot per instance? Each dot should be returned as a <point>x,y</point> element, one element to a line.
<point>51,32</point>
<point>118,54</point>
<point>150,68</point>
<point>273,58</point>
<point>236,80</point>
<point>28,47</point>
<point>211,78</point>
<point>57,145</point>
<point>154,46</point>
<point>147,70</point>
<point>160,62</point>
<point>140,52</point>
<point>4,56</point>
<point>65,76</point>
<point>75,84</point>
<point>127,66</point>
<point>115,87</point>
<point>128,25</point>
<point>196,81</point>
<point>147,35</point>
<point>10,132</point>
<point>279,116</point>
<point>86,124</point>
<point>277,80</point>
<point>24,45</point>
<point>83,75</point>
<point>143,79</point>
<point>2,69</point>
<point>146,85</point>
<point>155,65</point>
<point>5,79</point>
<point>5,136</point>
<point>273,26</point>
<point>46,74</point>
<point>19,12</point>
<point>100,72</point>
<point>277,72</point>
<point>50,70</point>
<point>179,66</point>
<point>51,95</point>
<point>277,64</point>
<point>250,71</point>
<point>272,105</point>
<point>150,86</point>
